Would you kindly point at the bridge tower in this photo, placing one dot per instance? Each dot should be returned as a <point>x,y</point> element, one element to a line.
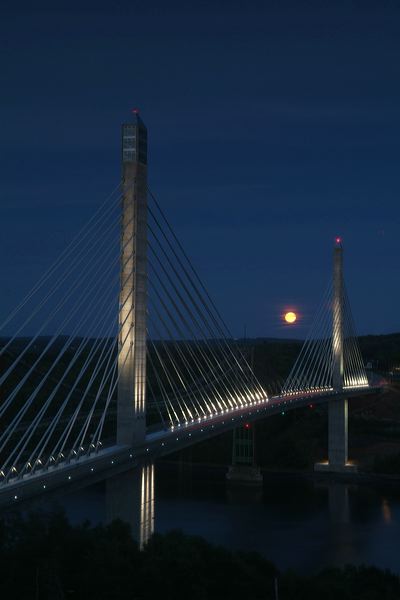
<point>131,411</point>
<point>337,407</point>
<point>130,495</point>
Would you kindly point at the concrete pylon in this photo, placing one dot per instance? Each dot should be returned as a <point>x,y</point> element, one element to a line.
<point>131,412</point>
<point>244,470</point>
<point>337,408</point>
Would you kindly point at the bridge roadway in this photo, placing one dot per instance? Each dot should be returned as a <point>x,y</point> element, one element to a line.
<point>109,461</point>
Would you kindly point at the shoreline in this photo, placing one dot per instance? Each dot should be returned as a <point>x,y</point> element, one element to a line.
<point>310,475</point>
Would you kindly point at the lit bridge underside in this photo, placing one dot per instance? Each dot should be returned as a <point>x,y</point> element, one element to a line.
<point>114,459</point>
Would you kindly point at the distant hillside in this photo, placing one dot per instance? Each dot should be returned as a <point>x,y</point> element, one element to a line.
<point>384,350</point>
<point>274,357</point>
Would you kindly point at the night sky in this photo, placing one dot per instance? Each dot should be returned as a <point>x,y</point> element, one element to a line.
<point>273,127</point>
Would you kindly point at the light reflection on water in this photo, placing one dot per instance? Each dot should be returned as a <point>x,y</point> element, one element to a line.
<point>292,522</point>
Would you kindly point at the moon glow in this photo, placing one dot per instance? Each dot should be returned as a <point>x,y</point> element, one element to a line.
<point>290,317</point>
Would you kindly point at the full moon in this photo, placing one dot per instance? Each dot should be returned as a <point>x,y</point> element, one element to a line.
<point>290,317</point>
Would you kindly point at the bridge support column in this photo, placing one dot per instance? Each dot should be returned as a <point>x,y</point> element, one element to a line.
<point>337,408</point>
<point>130,498</point>
<point>131,413</point>
<point>338,433</point>
<point>243,470</point>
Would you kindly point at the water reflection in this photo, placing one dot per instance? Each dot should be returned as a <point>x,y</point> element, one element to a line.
<point>291,521</point>
<point>342,539</point>
<point>130,497</point>
<point>386,511</point>
<point>339,509</point>
<point>146,504</point>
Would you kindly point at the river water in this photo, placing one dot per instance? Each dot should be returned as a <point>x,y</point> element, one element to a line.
<point>293,522</point>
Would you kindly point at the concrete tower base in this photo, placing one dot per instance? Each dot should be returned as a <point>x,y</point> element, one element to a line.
<point>244,475</point>
<point>337,439</point>
<point>243,470</point>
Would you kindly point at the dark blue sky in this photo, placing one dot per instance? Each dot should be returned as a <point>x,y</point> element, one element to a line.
<point>273,127</point>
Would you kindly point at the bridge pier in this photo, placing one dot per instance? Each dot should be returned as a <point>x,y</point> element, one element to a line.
<point>130,498</point>
<point>338,432</point>
<point>337,408</point>
<point>243,470</point>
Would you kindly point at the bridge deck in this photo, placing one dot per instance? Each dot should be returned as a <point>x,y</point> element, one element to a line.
<point>109,461</point>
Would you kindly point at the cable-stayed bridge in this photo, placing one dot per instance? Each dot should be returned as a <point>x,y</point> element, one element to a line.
<point>118,355</point>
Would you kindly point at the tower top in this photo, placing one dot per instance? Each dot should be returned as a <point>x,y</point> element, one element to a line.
<point>134,140</point>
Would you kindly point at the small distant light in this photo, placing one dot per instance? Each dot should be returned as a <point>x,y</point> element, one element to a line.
<point>247,426</point>
<point>92,469</point>
<point>338,240</point>
<point>135,111</point>
<point>44,486</point>
<point>15,497</point>
<point>69,476</point>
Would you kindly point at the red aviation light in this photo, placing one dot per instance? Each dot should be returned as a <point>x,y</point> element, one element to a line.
<point>338,240</point>
<point>247,426</point>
